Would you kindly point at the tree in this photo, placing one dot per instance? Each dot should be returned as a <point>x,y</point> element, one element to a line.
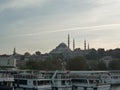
<point>92,65</point>
<point>77,63</point>
<point>27,54</point>
<point>52,64</point>
<point>43,65</point>
<point>97,65</point>
<point>34,65</point>
<point>101,65</point>
<point>38,53</point>
<point>114,65</point>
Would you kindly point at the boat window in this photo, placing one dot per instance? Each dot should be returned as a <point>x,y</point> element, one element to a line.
<point>115,77</point>
<point>97,81</point>
<point>22,82</point>
<point>79,81</point>
<point>91,81</point>
<point>47,82</point>
<point>34,83</point>
<point>63,82</point>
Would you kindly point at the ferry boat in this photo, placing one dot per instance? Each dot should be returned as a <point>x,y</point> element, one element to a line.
<point>6,80</point>
<point>115,77</point>
<point>90,81</point>
<point>32,80</point>
<point>42,80</point>
<point>61,80</point>
<point>104,75</point>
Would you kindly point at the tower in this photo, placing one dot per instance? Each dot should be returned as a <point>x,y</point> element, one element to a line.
<point>84,44</point>
<point>14,58</point>
<point>88,46</point>
<point>14,51</point>
<point>68,41</point>
<point>73,44</point>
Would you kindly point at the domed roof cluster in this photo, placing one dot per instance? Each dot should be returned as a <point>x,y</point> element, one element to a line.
<point>61,48</point>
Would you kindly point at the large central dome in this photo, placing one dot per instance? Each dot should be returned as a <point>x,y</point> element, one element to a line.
<point>63,45</point>
<point>61,48</point>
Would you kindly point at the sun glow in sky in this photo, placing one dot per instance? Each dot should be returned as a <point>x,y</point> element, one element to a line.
<point>40,25</point>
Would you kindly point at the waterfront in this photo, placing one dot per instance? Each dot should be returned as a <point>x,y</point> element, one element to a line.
<point>116,88</point>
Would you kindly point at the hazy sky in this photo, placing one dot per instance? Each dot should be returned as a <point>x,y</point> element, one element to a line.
<point>32,25</point>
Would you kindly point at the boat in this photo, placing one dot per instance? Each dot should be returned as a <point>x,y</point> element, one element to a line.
<point>32,80</point>
<point>6,80</point>
<point>61,80</point>
<point>42,80</point>
<point>89,81</point>
<point>115,77</point>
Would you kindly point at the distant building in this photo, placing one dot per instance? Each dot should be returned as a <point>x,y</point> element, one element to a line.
<point>61,51</point>
<point>107,59</point>
<point>77,52</point>
<point>8,61</point>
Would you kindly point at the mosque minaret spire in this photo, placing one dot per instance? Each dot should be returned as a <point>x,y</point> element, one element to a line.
<point>84,44</point>
<point>73,44</point>
<point>14,51</point>
<point>68,41</point>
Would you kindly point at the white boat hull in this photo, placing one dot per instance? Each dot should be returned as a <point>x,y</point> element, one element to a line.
<point>85,87</point>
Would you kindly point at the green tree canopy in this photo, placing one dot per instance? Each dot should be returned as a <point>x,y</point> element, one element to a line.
<point>114,65</point>
<point>77,63</point>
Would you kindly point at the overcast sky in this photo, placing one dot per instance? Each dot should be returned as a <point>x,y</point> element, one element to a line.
<point>40,25</point>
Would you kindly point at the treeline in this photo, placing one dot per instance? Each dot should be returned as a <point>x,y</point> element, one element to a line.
<point>77,63</point>
<point>90,61</point>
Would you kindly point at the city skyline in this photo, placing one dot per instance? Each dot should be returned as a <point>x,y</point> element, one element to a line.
<point>43,24</point>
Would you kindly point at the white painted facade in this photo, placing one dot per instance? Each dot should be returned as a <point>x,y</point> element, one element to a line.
<point>8,61</point>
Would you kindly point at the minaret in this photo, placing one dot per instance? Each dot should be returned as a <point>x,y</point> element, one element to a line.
<point>88,46</point>
<point>14,58</point>
<point>73,44</point>
<point>68,41</point>
<point>14,51</point>
<point>84,44</point>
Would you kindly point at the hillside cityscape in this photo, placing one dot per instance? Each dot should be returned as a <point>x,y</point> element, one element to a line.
<point>59,44</point>
<point>62,57</point>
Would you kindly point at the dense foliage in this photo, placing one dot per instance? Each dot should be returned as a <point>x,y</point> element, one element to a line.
<point>77,63</point>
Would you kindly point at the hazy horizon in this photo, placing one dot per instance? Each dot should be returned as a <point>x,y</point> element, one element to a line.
<point>41,25</point>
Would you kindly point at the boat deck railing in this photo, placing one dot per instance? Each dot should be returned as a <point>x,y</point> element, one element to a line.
<point>86,76</point>
<point>7,79</point>
<point>32,76</point>
<point>6,76</point>
<point>90,84</point>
